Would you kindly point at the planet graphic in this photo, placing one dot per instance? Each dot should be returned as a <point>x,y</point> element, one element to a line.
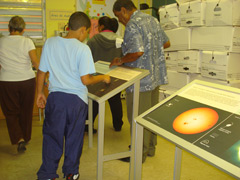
<point>195,120</point>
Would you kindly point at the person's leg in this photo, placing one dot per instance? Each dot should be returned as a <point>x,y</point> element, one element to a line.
<point>145,104</point>
<point>129,103</point>
<point>9,99</point>
<point>27,94</point>
<point>146,101</point>
<point>153,139</point>
<point>117,113</point>
<point>54,126</point>
<point>74,133</point>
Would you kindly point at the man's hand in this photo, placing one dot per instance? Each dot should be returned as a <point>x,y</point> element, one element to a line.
<point>116,62</point>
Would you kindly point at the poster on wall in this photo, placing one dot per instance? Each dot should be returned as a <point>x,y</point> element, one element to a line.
<point>96,9</point>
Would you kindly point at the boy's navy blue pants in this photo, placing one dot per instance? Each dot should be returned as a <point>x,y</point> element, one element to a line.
<point>64,122</point>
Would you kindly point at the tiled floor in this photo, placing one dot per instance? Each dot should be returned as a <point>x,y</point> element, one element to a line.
<point>14,166</point>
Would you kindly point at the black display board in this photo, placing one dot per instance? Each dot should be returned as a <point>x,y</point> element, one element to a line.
<point>100,89</point>
<point>222,139</point>
<point>202,118</point>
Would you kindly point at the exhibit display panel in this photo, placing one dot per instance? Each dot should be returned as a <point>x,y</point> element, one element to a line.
<point>121,78</point>
<point>202,118</point>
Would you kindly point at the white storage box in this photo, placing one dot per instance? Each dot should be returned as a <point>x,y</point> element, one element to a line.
<point>216,38</point>
<point>192,13</point>
<point>180,39</point>
<point>184,1</point>
<point>232,83</point>
<point>220,65</point>
<point>169,16</point>
<point>176,80</point>
<point>222,13</point>
<point>189,61</point>
<point>171,60</point>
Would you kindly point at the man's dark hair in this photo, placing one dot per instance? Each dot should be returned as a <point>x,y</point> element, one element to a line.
<point>16,23</point>
<point>78,20</point>
<point>128,4</point>
<point>109,23</point>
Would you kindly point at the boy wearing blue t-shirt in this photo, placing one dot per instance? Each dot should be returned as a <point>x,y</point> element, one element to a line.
<point>70,65</point>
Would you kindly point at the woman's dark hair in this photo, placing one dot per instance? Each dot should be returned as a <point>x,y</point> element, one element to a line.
<point>128,4</point>
<point>77,20</point>
<point>108,23</point>
<point>16,23</point>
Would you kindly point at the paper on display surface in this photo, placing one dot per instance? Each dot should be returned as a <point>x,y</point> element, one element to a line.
<point>218,98</point>
<point>124,73</point>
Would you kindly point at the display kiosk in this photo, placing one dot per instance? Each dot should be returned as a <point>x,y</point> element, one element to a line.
<point>202,118</point>
<point>121,78</point>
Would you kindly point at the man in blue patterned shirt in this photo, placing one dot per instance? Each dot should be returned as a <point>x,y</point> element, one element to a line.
<point>144,41</point>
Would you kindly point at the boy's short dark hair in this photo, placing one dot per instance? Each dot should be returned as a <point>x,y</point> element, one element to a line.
<point>16,23</point>
<point>77,20</point>
<point>128,4</point>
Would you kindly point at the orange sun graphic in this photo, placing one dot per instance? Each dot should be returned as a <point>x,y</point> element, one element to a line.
<point>195,120</point>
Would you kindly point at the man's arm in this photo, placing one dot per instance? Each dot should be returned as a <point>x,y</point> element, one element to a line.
<point>130,57</point>
<point>41,99</point>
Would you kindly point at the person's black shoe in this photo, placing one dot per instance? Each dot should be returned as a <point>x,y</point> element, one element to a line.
<point>126,159</point>
<point>21,147</point>
<point>72,177</point>
<point>94,131</point>
<point>118,129</point>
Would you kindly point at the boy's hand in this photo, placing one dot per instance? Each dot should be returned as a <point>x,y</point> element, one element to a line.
<point>106,79</point>
<point>41,101</point>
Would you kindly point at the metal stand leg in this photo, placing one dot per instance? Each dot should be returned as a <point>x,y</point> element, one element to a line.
<point>90,124</point>
<point>40,114</point>
<point>138,152</point>
<point>177,164</point>
<point>101,115</point>
<point>133,134</point>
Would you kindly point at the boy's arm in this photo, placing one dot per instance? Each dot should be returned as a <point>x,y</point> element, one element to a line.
<point>41,99</point>
<point>90,79</point>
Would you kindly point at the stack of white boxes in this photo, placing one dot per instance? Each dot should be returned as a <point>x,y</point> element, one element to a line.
<point>205,42</point>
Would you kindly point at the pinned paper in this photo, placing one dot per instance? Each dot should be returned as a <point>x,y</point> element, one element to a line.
<point>119,42</point>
